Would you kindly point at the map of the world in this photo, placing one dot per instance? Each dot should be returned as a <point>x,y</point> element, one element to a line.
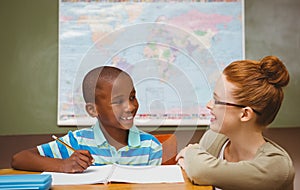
<point>174,51</point>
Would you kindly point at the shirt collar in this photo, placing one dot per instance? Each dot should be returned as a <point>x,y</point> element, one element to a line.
<point>133,137</point>
<point>99,137</point>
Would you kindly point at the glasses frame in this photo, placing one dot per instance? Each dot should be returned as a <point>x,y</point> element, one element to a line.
<point>235,105</point>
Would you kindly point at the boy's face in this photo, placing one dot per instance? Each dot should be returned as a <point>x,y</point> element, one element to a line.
<point>116,103</point>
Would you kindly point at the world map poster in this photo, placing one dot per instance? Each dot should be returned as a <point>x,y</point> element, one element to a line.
<point>173,50</point>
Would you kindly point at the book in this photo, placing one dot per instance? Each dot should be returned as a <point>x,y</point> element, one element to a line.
<point>120,173</point>
<point>26,181</point>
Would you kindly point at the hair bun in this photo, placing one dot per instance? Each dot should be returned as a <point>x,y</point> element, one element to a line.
<point>275,71</point>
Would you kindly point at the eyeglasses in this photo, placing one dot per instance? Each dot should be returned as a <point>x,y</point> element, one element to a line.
<point>236,105</point>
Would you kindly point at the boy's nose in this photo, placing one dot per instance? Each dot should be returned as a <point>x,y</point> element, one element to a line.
<point>129,107</point>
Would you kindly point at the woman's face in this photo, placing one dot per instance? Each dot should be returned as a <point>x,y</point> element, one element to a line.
<point>224,118</point>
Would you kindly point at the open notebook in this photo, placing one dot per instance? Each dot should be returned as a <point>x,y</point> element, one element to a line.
<point>120,173</point>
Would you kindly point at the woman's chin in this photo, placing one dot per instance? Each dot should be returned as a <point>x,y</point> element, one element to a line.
<point>214,127</point>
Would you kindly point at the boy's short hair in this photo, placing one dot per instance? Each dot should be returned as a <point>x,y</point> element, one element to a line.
<point>92,78</point>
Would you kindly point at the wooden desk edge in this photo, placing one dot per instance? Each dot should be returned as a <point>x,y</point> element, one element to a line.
<point>118,186</point>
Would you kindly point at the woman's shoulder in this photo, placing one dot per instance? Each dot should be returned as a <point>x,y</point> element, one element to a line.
<point>275,154</point>
<point>212,142</point>
<point>270,148</point>
<point>210,134</point>
<point>277,160</point>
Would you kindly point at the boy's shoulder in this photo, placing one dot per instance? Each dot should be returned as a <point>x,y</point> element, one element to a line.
<point>88,132</point>
<point>82,132</point>
<point>144,136</point>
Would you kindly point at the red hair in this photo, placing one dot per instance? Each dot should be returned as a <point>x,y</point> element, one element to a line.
<point>259,85</point>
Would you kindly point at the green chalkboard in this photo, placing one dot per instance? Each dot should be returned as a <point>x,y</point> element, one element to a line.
<point>29,60</point>
<point>29,67</point>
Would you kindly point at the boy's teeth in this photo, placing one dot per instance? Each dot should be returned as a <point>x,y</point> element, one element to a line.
<point>127,118</point>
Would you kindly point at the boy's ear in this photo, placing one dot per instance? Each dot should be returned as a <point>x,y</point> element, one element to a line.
<point>91,109</point>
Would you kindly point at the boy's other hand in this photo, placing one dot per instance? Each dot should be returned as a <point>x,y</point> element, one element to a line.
<point>79,161</point>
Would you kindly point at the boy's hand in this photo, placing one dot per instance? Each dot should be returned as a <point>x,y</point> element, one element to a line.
<point>79,161</point>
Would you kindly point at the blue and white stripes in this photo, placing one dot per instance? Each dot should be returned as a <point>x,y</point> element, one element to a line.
<point>142,149</point>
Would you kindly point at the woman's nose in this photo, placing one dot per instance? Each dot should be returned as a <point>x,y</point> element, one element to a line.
<point>210,104</point>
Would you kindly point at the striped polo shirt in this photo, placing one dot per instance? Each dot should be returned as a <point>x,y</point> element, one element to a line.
<point>142,148</point>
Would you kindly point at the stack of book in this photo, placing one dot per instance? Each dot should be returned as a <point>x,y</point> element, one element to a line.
<point>26,181</point>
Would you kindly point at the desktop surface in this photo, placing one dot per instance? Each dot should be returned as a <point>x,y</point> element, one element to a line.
<point>120,186</point>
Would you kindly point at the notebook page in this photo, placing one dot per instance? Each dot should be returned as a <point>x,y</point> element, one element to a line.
<point>92,175</point>
<point>147,174</point>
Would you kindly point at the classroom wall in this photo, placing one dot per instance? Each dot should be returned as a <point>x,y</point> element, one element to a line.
<point>273,27</point>
<point>29,67</point>
<point>29,59</point>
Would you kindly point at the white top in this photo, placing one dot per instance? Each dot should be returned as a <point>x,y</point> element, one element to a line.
<point>222,156</point>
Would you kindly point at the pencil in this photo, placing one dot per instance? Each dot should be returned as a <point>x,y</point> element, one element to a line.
<point>62,142</point>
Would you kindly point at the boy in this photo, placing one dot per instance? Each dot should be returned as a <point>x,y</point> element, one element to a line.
<point>110,97</point>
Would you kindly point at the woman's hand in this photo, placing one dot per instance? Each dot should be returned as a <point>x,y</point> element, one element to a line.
<point>180,156</point>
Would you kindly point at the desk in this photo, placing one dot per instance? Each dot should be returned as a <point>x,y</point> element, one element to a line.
<point>120,186</point>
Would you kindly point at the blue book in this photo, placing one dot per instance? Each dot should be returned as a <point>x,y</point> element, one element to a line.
<point>26,181</point>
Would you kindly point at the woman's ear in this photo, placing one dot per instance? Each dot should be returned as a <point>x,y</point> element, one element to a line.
<point>247,114</point>
<point>91,109</point>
